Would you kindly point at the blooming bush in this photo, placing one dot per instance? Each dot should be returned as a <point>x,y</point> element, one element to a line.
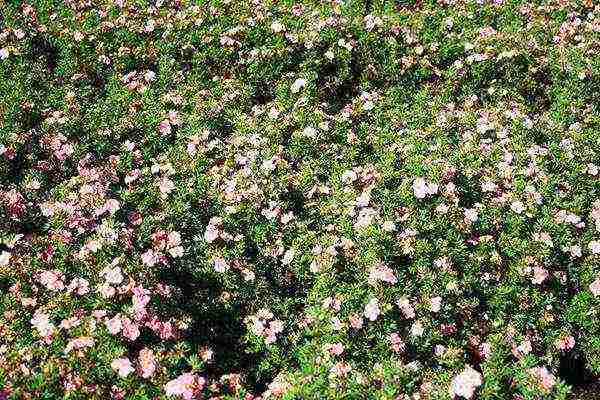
<point>299,200</point>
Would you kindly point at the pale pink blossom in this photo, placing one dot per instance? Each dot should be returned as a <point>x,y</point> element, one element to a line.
<point>565,343</point>
<point>164,128</point>
<point>79,343</point>
<point>41,322</point>
<point>335,349</point>
<point>130,329</point>
<point>122,366</point>
<point>594,246</point>
<point>382,272</point>
<point>185,386</point>
<point>517,207</point>
<point>398,345</point>
<point>149,258</point>
<point>340,370</point>
<point>146,363</point>
<point>465,383</point>
<point>595,287</point>
<point>422,189</point>
<point>435,304</point>
<point>406,308</point>
<point>52,280</point>
<point>539,275</point>
<point>372,310</point>
<point>471,215</point>
<point>220,265</point>
<point>545,379</point>
<point>211,233</point>
<point>114,325</point>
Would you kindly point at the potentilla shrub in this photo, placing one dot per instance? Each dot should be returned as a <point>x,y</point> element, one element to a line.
<point>299,200</point>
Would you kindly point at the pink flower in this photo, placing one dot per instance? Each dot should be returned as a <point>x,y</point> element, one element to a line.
<point>336,349</point>
<point>297,10</point>
<point>465,383</point>
<point>164,128</point>
<point>130,329</point>
<point>595,287</point>
<point>220,264</point>
<point>79,343</point>
<point>211,233</point>
<point>539,275</point>
<point>122,366</point>
<point>52,280</point>
<point>165,331</point>
<point>372,310</point>
<point>435,304</point>
<point>80,286</point>
<point>382,273</point>
<point>544,378</point>
<point>146,363</point>
<point>594,246</point>
<point>397,342</point>
<point>149,258</point>
<point>184,386</point>
<point>356,321</point>
<point>422,189</point>
<point>565,343</point>
<point>114,325</point>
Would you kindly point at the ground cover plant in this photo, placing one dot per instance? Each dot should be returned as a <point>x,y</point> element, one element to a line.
<point>270,199</point>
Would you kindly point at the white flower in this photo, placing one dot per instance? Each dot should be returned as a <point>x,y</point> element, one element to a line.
<point>417,329</point>
<point>594,246</point>
<point>595,287</point>
<point>288,257</point>
<point>465,383</point>
<point>372,310</point>
<point>122,366</point>
<point>220,265</point>
<point>4,258</point>
<point>349,176</point>
<point>277,27</point>
<point>309,132</point>
<point>471,215</point>
<point>211,233</point>
<point>422,189</point>
<point>298,84</point>
<point>517,207</point>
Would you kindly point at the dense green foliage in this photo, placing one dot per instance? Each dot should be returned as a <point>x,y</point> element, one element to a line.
<point>267,199</point>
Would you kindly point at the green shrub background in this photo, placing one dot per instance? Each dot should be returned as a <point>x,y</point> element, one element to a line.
<point>463,94</point>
